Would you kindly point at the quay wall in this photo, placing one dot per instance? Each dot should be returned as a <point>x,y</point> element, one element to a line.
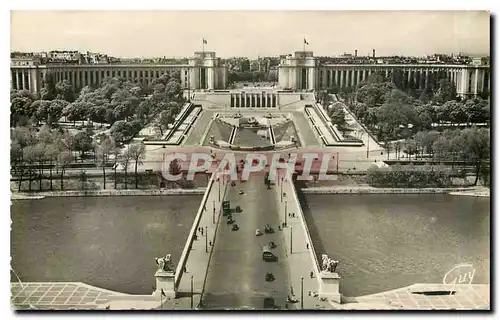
<point>105,193</point>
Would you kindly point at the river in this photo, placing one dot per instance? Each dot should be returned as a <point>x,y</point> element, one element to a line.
<point>109,242</point>
<point>384,242</point>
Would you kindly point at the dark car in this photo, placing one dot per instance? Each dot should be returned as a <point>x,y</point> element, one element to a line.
<point>268,229</point>
<point>235,227</point>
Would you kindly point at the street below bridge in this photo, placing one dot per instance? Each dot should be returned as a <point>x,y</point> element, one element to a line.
<point>237,273</point>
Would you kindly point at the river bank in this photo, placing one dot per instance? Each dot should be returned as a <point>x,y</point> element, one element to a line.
<point>357,189</point>
<point>104,193</point>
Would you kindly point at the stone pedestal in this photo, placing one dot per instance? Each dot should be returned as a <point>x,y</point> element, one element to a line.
<point>165,280</point>
<point>330,286</point>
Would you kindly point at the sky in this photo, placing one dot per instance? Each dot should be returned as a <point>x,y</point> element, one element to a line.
<point>252,33</point>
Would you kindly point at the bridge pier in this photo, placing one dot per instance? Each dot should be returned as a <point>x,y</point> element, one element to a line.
<point>330,286</point>
<point>165,284</point>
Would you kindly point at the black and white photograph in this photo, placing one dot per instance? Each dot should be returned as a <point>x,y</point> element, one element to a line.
<point>168,160</point>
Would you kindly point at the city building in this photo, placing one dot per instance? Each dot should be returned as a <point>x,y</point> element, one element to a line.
<point>303,71</point>
<point>203,71</point>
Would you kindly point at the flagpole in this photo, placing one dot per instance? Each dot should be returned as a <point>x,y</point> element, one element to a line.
<point>304,45</point>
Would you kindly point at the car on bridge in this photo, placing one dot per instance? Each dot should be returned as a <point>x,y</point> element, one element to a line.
<point>268,229</point>
<point>268,255</point>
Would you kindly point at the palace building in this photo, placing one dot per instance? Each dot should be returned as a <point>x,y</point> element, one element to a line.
<point>203,71</point>
<point>299,72</point>
<point>302,71</point>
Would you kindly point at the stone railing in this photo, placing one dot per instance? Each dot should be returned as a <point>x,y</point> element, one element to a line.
<point>187,247</point>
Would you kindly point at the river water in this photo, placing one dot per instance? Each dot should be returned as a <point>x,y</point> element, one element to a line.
<point>384,242</point>
<point>109,242</point>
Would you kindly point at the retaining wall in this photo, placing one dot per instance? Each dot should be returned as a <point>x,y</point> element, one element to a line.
<point>105,193</point>
<point>371,190</point>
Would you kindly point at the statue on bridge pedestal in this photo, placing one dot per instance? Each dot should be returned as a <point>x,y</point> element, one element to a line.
<point>165,263</point>
<point>328,265</point>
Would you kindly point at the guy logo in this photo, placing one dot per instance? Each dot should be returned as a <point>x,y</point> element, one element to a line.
<point>461,274</point>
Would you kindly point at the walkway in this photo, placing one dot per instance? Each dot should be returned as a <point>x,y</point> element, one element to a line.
<point>199,256</point>
<point>58,295</point>
<point>298,254</point>
<point>466,297</point>
<point>304,130</point>
<point>194,136</point>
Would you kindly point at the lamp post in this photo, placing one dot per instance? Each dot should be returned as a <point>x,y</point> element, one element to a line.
<point>367,144</point>
<point>286,213</point>
<point>281,186</point>
<point>291,242</point>
<point>302,293</point>
<point>192,292</point>
<point>206,240</point>
<point>219,187</point>
<point>337,162</point>
<point>213,214</point>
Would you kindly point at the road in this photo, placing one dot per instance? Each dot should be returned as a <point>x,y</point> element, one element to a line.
<point>236,275</point>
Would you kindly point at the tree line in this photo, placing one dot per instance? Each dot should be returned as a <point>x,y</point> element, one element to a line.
<point>48,154</point>
<point>40,143</point>
<point>470,146</point>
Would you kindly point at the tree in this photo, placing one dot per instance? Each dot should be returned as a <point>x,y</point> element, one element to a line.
<point>441,147</point>
<point>51,153</point>
<point>65,91</point>
<point>54,112</point>
<point>83,178</point>
<point>144,110</point>
<point>83,142</point>
<point>16,154</point>
<point>173,89</point>
<point>45,134</point>
<point>30,157</point>
<point>75,112</point>
<point>67,142</point>
<point>447,91</point>
<point>137,153</point>
<point>374,93</point>
<point>478,147</point>
<point>121,131</point>
<point>396,111</point>
<point>166,118</point>
<point>98,114</point>
<point>63,160</point>
<point>455,111</point>
<point>104,149</point>
<point>40,110</point>
<point>49,90</point>
<point>476,110</point>
<point>337,116</point>
<point>411,147</point>
<point>116,153</point>
<point>125,162</point>
<point>40,156</point>
<point>174,107</point>
<point>20,107</point>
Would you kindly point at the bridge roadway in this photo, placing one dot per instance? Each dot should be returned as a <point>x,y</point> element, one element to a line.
<point>236,274</point>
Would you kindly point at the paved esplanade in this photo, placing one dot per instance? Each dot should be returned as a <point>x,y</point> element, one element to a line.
<point>236,275</point>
